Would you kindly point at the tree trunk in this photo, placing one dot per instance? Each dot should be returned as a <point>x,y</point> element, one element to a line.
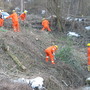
<point>22,6</point>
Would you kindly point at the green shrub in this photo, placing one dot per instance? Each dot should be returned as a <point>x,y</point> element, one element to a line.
<point>64,54</point>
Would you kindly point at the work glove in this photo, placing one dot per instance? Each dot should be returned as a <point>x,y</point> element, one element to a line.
<point>88,67</point>
<point>54,54</point>
<point>54,58</point>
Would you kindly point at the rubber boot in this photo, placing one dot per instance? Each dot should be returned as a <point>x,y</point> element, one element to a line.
<point>15,31</point>
<point>53,62</point>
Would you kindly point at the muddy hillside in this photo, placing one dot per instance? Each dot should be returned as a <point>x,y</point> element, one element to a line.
<point>69,72</point>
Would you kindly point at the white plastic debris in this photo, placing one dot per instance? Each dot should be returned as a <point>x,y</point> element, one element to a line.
<point>71,19</point>
<point>68,18</point>
<point>22,80</point>
<point>87,28</point>
<point>79,19</point>
<point>43,12</point>
<point>88,79</point>
<point>76,19</point>
<point>34,83</point>
<point>54,16</point>
<point>37,82</point>
<point>37,39</point>
<point>73,34</point>
<point>86,88</point>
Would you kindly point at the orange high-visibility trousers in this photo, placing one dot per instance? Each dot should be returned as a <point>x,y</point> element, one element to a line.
<point>88,54</point>
<point>46,27</point>
<point>16,26</point>
<point>49,54</point>
<point>1,22</point>
<point>88,60</point>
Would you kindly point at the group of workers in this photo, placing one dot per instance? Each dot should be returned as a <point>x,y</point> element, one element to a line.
<point>15,22</point>
<point>50,51</point>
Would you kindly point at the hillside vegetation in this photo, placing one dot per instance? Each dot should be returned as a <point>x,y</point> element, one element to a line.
<point>28,46</point>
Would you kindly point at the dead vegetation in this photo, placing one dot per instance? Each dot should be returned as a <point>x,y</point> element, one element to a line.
<point>28,46</point>
<point>6,84</point>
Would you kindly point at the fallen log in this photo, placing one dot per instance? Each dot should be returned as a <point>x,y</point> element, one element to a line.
<point>16,60</point>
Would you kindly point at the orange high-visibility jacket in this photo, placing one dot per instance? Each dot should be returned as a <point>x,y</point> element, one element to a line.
<point>88,54</point>
<point>15,22</point>
<point>14,17</point>
<point>1,20</point>
<point>51,49</point>
<point>45,23</point>
<point>49,53</point>
<point>23,16</point>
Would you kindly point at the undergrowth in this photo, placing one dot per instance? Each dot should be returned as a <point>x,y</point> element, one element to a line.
<point>66,55</point>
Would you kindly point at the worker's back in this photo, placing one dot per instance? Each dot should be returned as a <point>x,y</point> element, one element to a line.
<point>23,16</point>
<point>14,17</point>
<point>51,49</point>
<point>45,22</point>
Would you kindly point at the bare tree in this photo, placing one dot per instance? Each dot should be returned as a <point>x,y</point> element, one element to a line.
<point>54,7</point>
<point>22,5</point>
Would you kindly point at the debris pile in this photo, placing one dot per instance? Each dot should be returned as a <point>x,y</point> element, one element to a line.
<point>73,34</point>
<point>36,83</point>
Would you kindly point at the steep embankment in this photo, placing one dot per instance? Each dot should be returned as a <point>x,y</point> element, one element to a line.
<point>28,46</point>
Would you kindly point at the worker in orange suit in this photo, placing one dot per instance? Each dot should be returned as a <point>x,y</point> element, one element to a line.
<point>50,52</point>
<point>45,24</point>
<point>1,20</point>
<point>23,16</point>
<point>15,22</point>
<point>88,54</point>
